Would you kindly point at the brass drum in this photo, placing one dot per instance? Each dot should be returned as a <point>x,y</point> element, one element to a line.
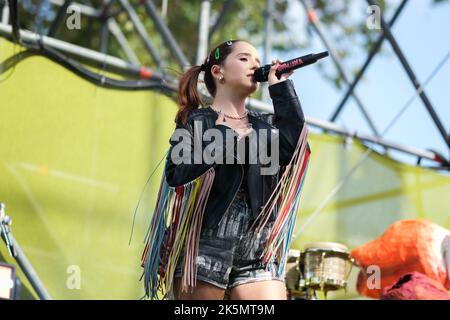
<point>325,266</point>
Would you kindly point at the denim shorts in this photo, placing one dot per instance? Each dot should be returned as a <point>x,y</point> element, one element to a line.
<point>229,255</point>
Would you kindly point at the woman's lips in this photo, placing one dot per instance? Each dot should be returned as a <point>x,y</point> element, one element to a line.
<point>251,75</point>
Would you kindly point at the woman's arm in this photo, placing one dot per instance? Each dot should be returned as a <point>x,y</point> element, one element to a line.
<point>288,118</point>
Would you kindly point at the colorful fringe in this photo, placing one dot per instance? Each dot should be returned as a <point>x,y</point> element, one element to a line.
<point>176,223</point>
<point>178,215</point>
<point>283,203</point>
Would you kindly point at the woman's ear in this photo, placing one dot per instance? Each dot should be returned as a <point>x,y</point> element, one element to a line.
<point>216,71</point>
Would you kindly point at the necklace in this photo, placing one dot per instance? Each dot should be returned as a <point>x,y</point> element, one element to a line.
<point>230,117</point>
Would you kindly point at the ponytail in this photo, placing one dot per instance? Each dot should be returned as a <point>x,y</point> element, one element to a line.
<point>188,95</point>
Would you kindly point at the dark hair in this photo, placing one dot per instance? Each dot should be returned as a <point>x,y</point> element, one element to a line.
<point>188,95</point>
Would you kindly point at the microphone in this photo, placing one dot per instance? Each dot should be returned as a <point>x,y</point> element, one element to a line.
<point>261,74</point>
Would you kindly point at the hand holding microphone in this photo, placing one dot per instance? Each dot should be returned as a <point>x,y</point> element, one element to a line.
<point>272,77</point>
<point>285,69</point>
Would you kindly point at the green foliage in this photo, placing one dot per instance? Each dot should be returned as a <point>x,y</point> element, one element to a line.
<point>344,21</point>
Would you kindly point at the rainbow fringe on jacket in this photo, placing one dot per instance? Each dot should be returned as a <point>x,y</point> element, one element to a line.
<point>283,202</point>
<point>177,219</point>
<point>176,223</point>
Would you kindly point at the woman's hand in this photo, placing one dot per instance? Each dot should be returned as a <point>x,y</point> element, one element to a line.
<point>272,78</point>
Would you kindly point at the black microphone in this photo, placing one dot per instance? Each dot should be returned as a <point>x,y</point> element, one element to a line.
<point>261,74</point>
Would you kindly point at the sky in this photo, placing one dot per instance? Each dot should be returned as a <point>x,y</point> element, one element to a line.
<point>423,33</point>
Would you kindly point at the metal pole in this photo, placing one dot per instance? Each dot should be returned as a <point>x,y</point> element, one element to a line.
<point>120,37</point>
<point>251,103</point>
<point>203,28</point>
<point>166,34</point>
<point>332,127</point>
<point>85,53</point>
<point>372,53</point>
<point>142,32</point>
<point>84,9</point>
<point>315,22</point>
<point>113,28</point>
<point>104,33</point>
<point>16,252</point>
<point>225,8</point>
<point>412,77</point>
<point>59,18</point>
<point>14,14</point>
<point>5,13</point>
<point>164,6</point>
<point>104,19</point>
<point>29,271</point>
<point>268,16</point>
<point>104,38</point>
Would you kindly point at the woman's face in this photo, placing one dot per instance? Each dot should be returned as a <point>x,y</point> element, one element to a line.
<point>239,67</point>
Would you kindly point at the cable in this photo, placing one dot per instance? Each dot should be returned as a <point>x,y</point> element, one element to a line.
<point>99,79</point>
<point>142,192</point>
<point>16,48</point>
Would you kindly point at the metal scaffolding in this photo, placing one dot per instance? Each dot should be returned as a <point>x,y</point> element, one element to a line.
<point>150,77</point>
<point>408,69</point>
<point>315,22</point>
<point>75,57</point>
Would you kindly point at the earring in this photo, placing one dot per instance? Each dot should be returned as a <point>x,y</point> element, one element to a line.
<point>222,80</point>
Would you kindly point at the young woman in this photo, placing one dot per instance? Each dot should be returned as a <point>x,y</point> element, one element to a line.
<point>225,226</point>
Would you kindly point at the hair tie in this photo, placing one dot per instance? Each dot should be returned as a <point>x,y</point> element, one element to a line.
<point>203,67</point>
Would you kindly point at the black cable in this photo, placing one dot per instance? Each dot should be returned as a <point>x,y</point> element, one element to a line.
<point>101,80</point>
<point>41,49</point>
<point>12,61</point>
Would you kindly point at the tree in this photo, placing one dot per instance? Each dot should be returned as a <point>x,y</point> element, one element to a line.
<point>243,19</point>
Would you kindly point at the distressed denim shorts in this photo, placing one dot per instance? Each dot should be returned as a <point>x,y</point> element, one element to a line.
<point>228,254</point>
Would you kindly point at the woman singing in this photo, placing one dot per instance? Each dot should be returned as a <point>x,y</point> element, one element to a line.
<point>225,226</point>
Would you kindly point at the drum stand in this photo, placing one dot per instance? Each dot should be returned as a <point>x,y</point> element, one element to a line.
<point>302,294</point>
<point>311,294</point>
